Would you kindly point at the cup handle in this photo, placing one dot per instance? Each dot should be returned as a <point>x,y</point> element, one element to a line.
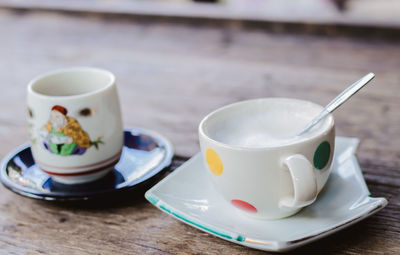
<point>304,182</point>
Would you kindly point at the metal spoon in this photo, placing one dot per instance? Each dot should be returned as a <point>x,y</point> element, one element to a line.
<point>338,101</point>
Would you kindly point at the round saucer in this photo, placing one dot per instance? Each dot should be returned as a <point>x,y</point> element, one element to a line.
<point>145,153</point>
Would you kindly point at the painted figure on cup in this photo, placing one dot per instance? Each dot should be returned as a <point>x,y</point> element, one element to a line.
<point>63,135</point>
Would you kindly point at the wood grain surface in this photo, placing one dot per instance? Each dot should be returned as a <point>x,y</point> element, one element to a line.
<point>169,77</point>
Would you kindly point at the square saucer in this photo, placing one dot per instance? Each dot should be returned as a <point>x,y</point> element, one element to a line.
<point>187,195</point>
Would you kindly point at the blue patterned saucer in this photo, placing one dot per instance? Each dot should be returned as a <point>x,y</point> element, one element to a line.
<point>145,154</point>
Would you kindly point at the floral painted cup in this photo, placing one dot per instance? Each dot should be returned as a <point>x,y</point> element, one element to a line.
<point>75,124</point>
<point>256,162</point>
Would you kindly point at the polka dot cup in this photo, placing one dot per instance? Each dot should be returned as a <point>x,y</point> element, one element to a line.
<point>255,161</point>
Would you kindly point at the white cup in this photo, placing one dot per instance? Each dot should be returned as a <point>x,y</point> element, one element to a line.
<point>256,166</point>
<point>75,123</point>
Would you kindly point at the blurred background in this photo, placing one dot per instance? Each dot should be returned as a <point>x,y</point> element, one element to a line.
<point>177,60</point>
<point>383,13</point>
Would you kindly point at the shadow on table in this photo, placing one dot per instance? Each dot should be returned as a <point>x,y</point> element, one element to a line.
<point>120,198</point>
<point>357,236</point>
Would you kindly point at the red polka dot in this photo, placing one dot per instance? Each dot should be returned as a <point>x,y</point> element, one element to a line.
<point>244,205</point>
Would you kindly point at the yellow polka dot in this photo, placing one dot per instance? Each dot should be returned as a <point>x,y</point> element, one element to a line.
<point>214,162</point>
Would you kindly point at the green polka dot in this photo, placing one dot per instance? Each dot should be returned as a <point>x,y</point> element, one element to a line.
<point>322,155</point>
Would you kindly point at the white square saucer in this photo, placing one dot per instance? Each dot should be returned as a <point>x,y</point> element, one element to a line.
<point>187,195</point>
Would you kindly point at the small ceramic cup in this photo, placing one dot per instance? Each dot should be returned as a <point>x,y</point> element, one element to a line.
<point>75,124</point>
<point>254,161</point>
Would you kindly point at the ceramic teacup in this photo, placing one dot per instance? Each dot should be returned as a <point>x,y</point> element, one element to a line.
<point>75,123</point>
<point>256,162</point>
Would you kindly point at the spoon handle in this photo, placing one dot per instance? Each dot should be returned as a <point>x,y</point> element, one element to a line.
<point>349,92</point>
<point>338,101</point>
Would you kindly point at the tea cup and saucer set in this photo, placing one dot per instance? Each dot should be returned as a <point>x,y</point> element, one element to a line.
<point>252,183</point>
<point>78,148</point>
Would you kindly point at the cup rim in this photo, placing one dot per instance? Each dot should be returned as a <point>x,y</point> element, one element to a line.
<point>35,80</point>
<point>270,147</point>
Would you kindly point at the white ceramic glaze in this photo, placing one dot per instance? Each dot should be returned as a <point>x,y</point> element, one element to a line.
<point>187,195</point>
<point>275,180</point>
<point>75,123</point>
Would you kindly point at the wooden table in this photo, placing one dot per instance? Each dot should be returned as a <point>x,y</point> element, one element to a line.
<point>170,75</point>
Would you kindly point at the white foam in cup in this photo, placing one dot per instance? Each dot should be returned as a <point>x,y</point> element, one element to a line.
<point>265,123</point>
